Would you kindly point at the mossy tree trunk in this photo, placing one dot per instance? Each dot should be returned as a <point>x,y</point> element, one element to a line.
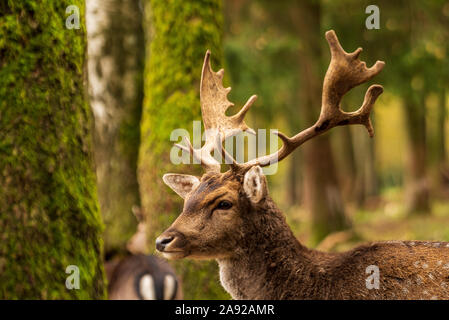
<point>49,217</point>
<point>115,66</point>
<point>181,31</point>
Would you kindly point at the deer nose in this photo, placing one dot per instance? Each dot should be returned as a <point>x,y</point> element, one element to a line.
<point>162,242</point>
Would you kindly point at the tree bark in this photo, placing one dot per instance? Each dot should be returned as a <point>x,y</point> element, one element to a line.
<point>294,191</point>
<point>366,184</point>
<point>347,165</point>
<point>441,155</point>
<point>322,194</point>
<point>181,32</point>
<point>417,185</point>
<point>115,65</point>
<point>49,216</point>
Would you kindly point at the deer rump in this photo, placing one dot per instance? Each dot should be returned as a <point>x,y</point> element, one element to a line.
<point>142,277</point>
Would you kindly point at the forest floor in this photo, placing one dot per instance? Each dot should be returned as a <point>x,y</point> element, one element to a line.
<point>388,221</point>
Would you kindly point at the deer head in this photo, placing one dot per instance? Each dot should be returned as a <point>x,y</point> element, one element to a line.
<point>221,210</point>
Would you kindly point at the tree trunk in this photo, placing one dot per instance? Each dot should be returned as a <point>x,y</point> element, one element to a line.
<point>49,216</point>
<point>321,190</point>
<point>417,186</point>
<point>293,186</point>
<point>366,184</point>
<point>441,156</point>
<point>115,65</point>
<point>181,32</point>
<point>346,164</point>
<point>371,181</point>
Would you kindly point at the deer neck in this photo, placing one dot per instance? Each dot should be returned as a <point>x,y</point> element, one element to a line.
<point>269,261</point>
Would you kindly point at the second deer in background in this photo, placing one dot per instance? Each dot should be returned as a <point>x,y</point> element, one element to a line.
<point>140,276</point>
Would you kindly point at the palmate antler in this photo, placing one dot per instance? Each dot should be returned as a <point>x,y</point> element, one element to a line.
<point>344,73</point>
<point>217,125</point>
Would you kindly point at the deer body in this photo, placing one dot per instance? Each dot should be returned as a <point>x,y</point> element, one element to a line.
<point>274,265</point>
<point>231,218</point>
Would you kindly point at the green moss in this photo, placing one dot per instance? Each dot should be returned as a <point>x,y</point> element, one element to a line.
<point>49,215</point>
<point>180,32</point>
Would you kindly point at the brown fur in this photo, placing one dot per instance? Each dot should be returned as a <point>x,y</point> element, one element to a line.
<point>260,258</point>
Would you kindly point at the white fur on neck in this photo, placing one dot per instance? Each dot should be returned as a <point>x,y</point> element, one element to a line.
<point>237,282</point>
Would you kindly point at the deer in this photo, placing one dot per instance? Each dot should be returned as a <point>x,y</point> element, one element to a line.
<point>230,217</point>
<point>138,275</point>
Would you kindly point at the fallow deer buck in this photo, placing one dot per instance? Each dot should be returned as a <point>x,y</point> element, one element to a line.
<point>231,218</point>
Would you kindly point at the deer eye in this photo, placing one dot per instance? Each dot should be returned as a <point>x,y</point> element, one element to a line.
<point>224,205</point>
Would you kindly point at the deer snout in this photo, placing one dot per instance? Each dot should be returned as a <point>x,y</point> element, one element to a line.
<point>172,244</point>
<point>163,241</point>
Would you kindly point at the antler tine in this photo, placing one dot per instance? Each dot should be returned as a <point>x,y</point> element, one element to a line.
<point>226,156</point>
<point>203,155</point>
<point>344,73</point>
<point>217,125</point>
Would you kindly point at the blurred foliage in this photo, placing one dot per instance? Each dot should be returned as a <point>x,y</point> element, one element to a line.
<point>261,58</point>
<point>388,221</point>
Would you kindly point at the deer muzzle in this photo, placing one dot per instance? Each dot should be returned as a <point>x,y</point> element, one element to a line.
<point>171,244</point>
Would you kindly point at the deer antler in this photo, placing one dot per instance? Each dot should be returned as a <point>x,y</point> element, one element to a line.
<point>344,73</point>
<point>217,125</point>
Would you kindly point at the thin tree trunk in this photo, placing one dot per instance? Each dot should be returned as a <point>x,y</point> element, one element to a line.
<point>441,131</point>
<point>366,184</point>
<point>347,164</point>
<point>321,189</point>
<point>115,64</point>
<point>417,186</point>
<point>49,216</point>
<point>371,181</point>
<point>181,32</point>
<point>294,180</point>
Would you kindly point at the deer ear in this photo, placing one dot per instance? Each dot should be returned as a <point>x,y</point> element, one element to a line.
<point>182,184</point>
<point>255,184</point>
